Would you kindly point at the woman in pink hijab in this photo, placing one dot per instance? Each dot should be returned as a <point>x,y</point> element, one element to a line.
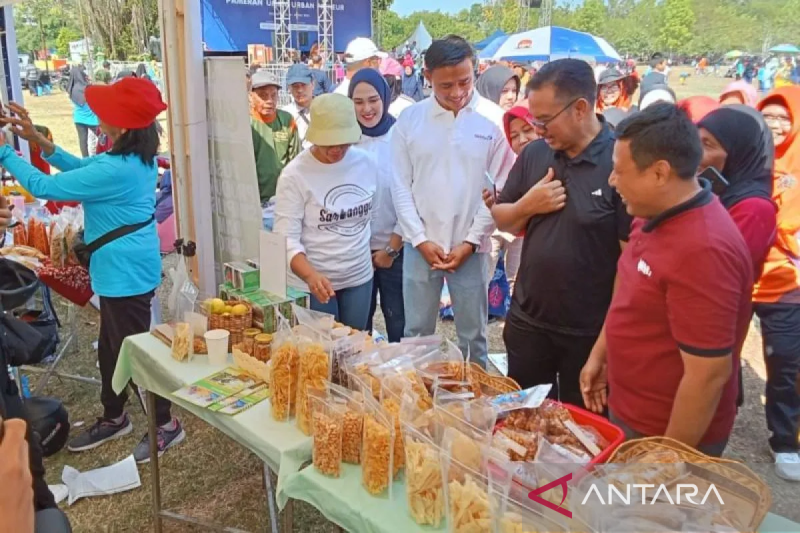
<point>739,92</point>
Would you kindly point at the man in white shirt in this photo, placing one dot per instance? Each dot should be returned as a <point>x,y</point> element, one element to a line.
<point>443,148</point>
<point>300,82</point>
<point>360,53</point>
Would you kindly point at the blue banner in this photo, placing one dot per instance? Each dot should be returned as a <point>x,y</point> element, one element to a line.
<point>230,25</point>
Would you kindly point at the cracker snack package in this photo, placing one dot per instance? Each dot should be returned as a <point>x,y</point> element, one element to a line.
<point>352,423</point>
<point>327,418</point>
<point>283,376</point>
<point>424,490</point>
<point>314,371</point>
<point>377,449</point>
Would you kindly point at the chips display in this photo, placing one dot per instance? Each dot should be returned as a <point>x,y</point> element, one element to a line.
<point>327,448</point>
<point>352,429</point>
<point>469,506</point>
<point>313,372</point>
<point>376,458</point>
<point>423,481</point>
<point>283,380</point>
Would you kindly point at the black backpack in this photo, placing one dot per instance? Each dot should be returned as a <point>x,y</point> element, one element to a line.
<point>44,321</point>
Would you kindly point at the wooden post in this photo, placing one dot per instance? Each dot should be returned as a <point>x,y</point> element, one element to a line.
<point>184,82</point>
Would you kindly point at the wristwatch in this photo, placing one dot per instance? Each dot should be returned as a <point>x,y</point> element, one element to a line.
<point>473,245</point>
<point>393,254</point>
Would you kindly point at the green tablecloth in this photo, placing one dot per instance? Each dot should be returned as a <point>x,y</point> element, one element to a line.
<point>147,361</point>
<point>346,503</point>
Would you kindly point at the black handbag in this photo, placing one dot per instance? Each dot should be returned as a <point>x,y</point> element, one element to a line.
<point>83,250</point>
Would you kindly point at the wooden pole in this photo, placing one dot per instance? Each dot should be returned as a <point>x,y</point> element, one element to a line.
<point>44,44</point>
<point>89,52</point>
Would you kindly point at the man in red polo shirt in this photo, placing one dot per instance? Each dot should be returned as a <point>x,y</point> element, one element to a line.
<point>669,352</point>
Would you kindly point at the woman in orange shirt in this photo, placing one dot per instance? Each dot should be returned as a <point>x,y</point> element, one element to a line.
<point>776,295</point>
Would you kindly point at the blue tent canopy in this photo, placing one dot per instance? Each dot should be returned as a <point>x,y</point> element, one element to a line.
<point>491,49</point>
<point>480,45</point>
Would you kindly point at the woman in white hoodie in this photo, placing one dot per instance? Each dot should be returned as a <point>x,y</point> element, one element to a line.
<point>371,96</point>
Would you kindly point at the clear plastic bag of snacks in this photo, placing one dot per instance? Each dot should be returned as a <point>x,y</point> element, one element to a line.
<point>316,321</point>
<point>429,341</point>
<point>283,377</point>
<point>444,364</point>
<point>473,498</point>
<point>314,371</point>
<point>377,450</point>
<point>183,342</point>
<point>327,419</point>
<point>393,386</point>
<point>342,351</point>
<point>477,413</point>
<point>424,490</point>
<point>352,421</point>
<point>411,414</point>
<point>518,517</point>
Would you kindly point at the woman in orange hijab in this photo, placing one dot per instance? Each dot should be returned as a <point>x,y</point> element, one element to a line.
<point>776,296</point>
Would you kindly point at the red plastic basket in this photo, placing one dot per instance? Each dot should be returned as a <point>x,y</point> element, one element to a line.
<point>613,434</point>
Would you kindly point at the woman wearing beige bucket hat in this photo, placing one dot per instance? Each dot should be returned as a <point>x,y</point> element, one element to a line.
<point>324,208</point>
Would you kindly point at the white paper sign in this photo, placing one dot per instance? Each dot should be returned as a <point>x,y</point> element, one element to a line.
<point>272,262</point>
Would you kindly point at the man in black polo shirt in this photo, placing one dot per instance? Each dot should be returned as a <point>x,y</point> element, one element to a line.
<point>574,224</point>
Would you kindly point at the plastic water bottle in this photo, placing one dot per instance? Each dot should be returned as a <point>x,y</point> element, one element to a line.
<point>377,336</point>
<point>26,390</point>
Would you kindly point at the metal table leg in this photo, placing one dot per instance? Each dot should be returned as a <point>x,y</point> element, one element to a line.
<point>273,508</point>
<point>155,484</point>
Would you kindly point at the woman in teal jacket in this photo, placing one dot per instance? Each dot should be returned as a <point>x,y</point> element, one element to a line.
<point>117,189</point>
<point>86,122</point>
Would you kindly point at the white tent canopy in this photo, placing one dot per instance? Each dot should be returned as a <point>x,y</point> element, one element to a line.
<point>421,36</point>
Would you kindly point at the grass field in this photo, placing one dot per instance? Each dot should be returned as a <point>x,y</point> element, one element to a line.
<point>211,477</point>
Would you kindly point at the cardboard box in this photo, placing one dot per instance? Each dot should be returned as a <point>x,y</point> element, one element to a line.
<point>241,276</point>
<point>266,306</point>
<point>253,263</point>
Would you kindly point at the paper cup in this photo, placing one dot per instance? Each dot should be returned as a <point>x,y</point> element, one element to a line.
<point>217,344</point>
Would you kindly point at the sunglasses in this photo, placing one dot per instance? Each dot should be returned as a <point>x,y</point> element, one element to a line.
<point>542,124</point>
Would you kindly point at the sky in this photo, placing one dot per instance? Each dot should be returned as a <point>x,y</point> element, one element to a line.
<point>406,7</point>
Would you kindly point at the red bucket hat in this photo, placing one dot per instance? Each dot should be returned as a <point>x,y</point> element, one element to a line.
<point>131,103</point>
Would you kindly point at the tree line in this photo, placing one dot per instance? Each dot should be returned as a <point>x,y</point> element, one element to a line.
<point>120,29</point>
<point>636,27</point>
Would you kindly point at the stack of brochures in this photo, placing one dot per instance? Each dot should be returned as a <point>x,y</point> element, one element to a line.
<point>228,391</point>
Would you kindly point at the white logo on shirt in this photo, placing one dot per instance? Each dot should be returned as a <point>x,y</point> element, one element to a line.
<point>598,192</point>
<point>347,210</point>
<point>644,268</point>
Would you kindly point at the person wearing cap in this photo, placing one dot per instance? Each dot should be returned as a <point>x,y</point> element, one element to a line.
<point>443,149</point>
<point>118,191</point>
<point>322,82</point>
<point>324,208</point>
<point>615,90</point>
<point>360,53</point>
<point>300,82</point>
<point>275,137</point>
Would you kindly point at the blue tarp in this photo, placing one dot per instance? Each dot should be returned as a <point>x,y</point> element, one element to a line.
<point>480,45</point>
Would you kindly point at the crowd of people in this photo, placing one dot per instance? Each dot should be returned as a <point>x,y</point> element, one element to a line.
<point>634,280</point>
<point>640,238</point>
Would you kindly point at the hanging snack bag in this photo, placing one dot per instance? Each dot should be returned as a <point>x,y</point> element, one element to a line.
<point>283,376</point>
<point>377,450</point>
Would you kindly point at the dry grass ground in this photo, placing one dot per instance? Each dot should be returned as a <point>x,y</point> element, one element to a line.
<point>209,476</point>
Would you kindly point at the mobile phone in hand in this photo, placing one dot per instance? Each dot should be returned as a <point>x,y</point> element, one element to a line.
<point>718,182</point>
<point>491,185</point>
